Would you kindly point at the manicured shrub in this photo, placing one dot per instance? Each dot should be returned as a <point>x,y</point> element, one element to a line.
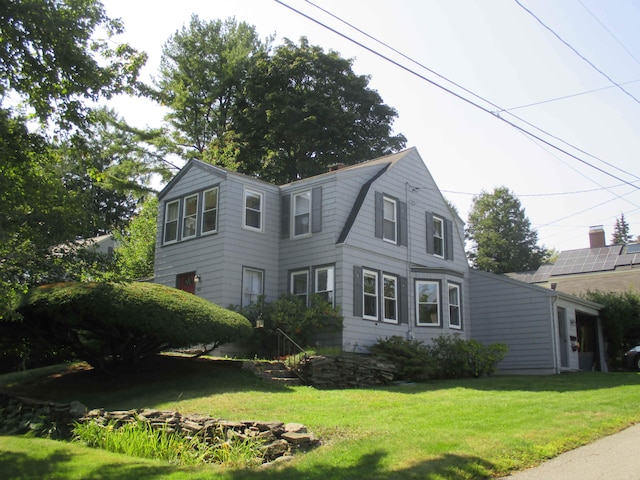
<point>448,356</point>
<point>114,325</point>
<point>410,357</point>
<point>289,313</point>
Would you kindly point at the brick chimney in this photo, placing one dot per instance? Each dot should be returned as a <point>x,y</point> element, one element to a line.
<point>596,237</point>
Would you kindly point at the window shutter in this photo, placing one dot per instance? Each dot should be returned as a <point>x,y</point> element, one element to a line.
<point>403,306</point>
<point>357,291</point>
<point>316,210</point>
<point>379,214</point>
<point>285,215</point>
<point>402,224</point>
<point>430,232</point>
<point>448,245</point>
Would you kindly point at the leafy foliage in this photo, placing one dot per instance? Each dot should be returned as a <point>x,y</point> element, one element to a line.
<point>113,326</point>
<point>135,255</point>
<point>500,235</point>
<point>49,56</point>
<point>620,321</point>
<point>289,313</point>
<point>280,115</point>
<point>448,356</point>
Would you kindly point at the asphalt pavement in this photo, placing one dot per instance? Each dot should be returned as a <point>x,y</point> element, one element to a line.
<point>614,457</point>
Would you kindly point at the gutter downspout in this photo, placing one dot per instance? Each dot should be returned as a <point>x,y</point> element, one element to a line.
<point>554,333</point>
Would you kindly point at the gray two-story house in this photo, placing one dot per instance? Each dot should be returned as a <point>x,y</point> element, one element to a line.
<point>376,239</point>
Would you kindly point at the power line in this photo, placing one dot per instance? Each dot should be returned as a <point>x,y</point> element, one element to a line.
<point>566,96</point>
<point>575,51</point>
<point>457,95</point>
<point>551,194</point>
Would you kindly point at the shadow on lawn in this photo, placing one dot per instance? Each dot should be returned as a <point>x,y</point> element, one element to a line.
<point>17,465</point>
<point>161,379</point>
<point>566,382</point>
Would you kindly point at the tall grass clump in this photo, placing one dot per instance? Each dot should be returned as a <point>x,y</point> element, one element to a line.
<point>140,439</point>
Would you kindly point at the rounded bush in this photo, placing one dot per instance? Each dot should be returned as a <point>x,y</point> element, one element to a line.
<point>115,324</point>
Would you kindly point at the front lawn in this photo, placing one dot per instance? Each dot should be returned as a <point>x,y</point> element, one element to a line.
<point>464,429</point>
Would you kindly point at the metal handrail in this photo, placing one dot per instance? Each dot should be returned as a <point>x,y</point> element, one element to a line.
<point>287,346</point>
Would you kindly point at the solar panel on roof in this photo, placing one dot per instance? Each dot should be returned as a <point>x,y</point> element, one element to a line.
<point>633,248</point>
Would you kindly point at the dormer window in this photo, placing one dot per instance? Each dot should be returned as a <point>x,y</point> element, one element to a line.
<point>389,224</point>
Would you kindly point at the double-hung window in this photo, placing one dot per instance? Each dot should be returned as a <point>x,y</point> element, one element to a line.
<point>301,213</point>
<point>324,283</point>
<point>438,236</point>
<point>390,298</point>
<point>210,211</point>
<point>171,211</point>
<point>252,210</point>
<point>389,224</point>
<point>300,285</point>
<point>369,295</point>
<point>455,319</point>
<point>427,303</point>
<point>190,216</point>
<point>252,285</point>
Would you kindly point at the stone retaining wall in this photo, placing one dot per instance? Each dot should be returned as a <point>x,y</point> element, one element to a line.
<point>347,371</point>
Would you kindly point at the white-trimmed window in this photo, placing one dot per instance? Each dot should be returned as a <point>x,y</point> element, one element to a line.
<point>171,211</point>
<point>427,303</point>
<point>324,283</point>
<point>210,211</point>
<point>389,223</point>
<point>390,298</point>
<point>190,216</point>
<point>253,202</point>
<point>370,295</point>
<point>455,317</point>
<point>438,236</point>
<point>301,213</point>
<point>252,285</point>
<point>300,285</point>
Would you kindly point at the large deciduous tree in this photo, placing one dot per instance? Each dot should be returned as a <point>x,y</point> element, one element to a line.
<point>202,74</point>
<point>280,114</point>
<point>500,235</point>
<point>305,109</point>
<point>53,65</point>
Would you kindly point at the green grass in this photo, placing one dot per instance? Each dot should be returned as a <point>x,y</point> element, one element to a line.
<point>465,429</point>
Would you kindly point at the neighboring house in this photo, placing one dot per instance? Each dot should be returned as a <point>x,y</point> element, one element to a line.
<point>614,268</point>
<point>376,239</point>
<point>546,331</point>
<point>102,244</point>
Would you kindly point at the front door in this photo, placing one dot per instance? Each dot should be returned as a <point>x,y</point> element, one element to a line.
<point>187,282</point>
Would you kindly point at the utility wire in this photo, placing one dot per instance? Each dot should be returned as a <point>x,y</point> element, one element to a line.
<point>566,96</point>
<point>497,107</point>
<point>551,194</point>
<point>575,51</point>
<point>457,95</point>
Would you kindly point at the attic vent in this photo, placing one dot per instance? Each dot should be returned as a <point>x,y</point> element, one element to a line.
<point>336,166</point>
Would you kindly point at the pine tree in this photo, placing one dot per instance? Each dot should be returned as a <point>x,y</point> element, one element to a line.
<point>621,234</point>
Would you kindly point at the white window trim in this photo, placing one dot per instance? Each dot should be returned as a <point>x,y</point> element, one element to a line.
<point>454,286</point>
<point>424,324</point>
<point>393,240</point>
<point>217,209</point>
<point>330,282</point>
<point>244,210</point>
<point>374,274</point>
<point>385,318</point>
<point>293,214</point>
<point>177,220</point>
<point>440,221</point>
<point>194,216</point>
<point>292,282</point>
<point>245,272</point>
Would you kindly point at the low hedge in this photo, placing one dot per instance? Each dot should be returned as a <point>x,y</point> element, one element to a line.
<point>114,325</point>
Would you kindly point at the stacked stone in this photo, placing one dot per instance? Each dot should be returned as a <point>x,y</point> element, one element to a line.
<point>280,440</point>
<point>347,371</point>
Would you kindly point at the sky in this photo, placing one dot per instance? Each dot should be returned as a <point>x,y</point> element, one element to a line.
<point>471,81</point>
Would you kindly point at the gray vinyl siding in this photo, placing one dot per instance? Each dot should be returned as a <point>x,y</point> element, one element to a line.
<point>218,258</point>
<point>517,314</point>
